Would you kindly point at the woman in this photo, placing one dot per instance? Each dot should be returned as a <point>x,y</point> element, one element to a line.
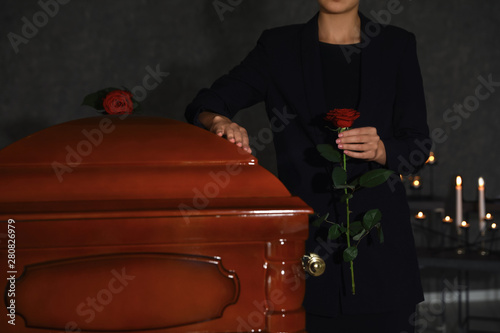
<point>339,59</point>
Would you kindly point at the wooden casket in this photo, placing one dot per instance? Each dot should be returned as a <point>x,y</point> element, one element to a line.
<point>128,224</point>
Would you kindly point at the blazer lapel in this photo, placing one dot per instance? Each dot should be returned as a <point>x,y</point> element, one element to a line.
<point>369,47</point>
<point>312,76</point>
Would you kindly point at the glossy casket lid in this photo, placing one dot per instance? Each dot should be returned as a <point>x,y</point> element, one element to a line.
<point>136,158</point>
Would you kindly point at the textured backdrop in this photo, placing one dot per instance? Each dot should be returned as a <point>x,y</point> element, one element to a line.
<point>54,53</point>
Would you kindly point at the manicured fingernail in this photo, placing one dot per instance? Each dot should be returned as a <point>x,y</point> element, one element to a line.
<point>337,141</point>
<point>341,146</point>
<point>341,135</point>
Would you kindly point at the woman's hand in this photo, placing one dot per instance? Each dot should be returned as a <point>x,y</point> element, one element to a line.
<point>363,143</point>
<point>224,127</point>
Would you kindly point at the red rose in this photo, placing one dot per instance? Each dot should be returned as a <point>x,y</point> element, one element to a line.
<point>342,117</point>
<point>118,102</point>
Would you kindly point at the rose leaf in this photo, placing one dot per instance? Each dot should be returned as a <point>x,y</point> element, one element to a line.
<point>371,218</point>
<point>350,253</point>
<point>320,220</point>
<point>360,235</point>
<point>327,151</point>
<point>339,177</point>
<point>374,177</point>
<point>334,232</point>
<point>355,228</point>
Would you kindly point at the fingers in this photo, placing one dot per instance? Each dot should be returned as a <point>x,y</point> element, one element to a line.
<point>356,133</point>
<point>219,128</point>
<point>369,155</point>
<point>358,139</point>
<point>233,133</point>
<point>362,143</point>
<point>238,135</point>
<point>223,126</point>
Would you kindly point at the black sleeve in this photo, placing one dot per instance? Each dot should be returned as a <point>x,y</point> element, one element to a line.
<point>244,86</point>
<point>408,150</point>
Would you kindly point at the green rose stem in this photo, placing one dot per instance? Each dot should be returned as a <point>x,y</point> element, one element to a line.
<point>372,178</point>
<point>348,232</point>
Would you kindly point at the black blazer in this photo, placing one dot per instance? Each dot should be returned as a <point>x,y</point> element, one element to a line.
<point>284,71</point>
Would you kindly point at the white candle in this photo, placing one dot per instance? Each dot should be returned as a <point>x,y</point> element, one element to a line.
<point>482,206</point>
<point>459,211</point>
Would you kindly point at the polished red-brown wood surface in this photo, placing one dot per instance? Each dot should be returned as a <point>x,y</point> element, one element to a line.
<point>161,226</point>
<point>106,158</point>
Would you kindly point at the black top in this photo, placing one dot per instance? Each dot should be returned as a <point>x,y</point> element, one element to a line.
<point>284,70</point>
<point>341,76</point>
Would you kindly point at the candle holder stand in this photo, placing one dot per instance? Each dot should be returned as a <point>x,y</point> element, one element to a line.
<point>445,235</point>
<point>481,240</point>
<point>493,239</point>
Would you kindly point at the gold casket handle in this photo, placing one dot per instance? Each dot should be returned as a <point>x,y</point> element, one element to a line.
<point>313,264</point>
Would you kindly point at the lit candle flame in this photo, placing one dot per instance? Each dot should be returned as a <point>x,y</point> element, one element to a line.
<point>464,224</point>
<point>480,182</point>
<point>431,158</point>
<point>447,219</point>
<point>488,216</point>
<point>459,181</point>
<point>415,183</point>
<point>420,215</point>
<point>493,226</point>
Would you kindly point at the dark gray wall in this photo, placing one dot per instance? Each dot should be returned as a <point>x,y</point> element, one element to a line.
<point>89,45</point>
